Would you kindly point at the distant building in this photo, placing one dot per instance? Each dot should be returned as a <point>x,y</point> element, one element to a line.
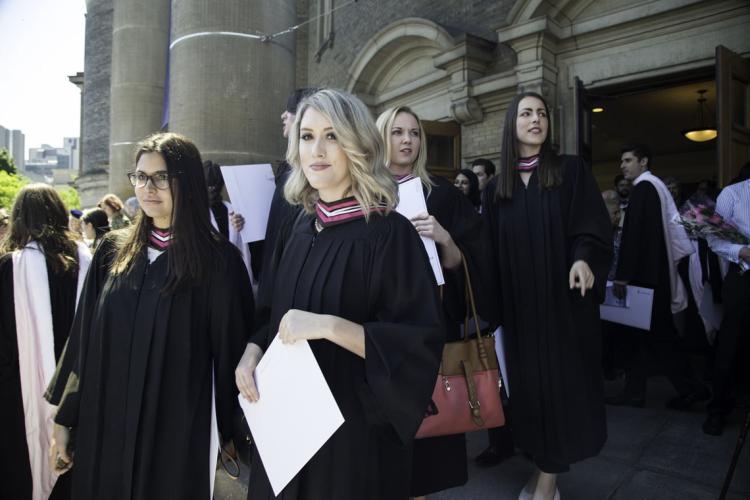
<point>4,138</point>
<point>73,150</point>
<point>14,141</point>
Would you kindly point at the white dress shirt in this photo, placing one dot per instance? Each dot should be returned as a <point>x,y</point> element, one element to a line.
<point>733,205</point>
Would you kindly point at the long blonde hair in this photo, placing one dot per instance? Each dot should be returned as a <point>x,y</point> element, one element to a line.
<point>372,183</point>
<point>385,124</point>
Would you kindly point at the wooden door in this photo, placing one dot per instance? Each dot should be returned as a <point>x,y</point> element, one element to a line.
<point>733,112</point>
<point>443,148</point>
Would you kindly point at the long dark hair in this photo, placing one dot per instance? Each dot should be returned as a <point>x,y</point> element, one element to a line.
<point>194,239</point>
<point>474,196</point>
<point>549,171</point>
<point>39,214</point>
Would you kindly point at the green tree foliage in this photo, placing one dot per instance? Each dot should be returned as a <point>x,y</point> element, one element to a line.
<point>70,197</point>
<point>9,186</point>
<point>6,162</point>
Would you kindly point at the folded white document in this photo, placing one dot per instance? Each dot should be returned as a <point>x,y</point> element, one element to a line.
<point>411,203</point>
<point>296,413</point>
<point>634,310</point>
<point>250,189</point>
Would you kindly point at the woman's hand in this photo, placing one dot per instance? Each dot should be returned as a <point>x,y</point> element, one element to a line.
<point>60,460</point>
<point>302,325</point>
<point>581,277</point>
<point>243,374</point>
<point>428,226</point>
<point>237,220</point>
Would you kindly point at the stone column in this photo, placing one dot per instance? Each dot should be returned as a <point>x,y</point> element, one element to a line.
<point>227,92</point>
<point>92,182</point>
<point>140,36</point>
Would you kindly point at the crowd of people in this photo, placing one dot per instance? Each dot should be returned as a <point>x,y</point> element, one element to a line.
<point>121,369</point>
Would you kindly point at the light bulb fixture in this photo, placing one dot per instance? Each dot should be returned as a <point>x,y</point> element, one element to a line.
<point>597,109</point>
<point>702,132</point>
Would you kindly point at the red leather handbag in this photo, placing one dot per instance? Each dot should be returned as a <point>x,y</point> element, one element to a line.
<point>467,391</point>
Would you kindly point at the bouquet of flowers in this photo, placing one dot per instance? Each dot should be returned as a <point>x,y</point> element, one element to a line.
<point>700,219</point>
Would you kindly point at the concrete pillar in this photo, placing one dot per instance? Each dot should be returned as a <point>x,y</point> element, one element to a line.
<point>226,92</point>
<point>140,36</point>
<point>93,179</point>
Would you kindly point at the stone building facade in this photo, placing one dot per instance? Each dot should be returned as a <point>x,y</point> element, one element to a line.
<point>457,63</point>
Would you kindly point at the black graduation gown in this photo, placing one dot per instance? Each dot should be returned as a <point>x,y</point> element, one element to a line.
<point>135,378</point>
<point>15,471</point>
<point>552,335</point>
<point>375,274</point>
<point>280,214</point>
<point>440,462</point>
<point>643,257</point>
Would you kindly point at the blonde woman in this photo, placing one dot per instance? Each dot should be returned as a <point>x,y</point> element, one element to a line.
<point>351,276</point>
<point>450,220</point>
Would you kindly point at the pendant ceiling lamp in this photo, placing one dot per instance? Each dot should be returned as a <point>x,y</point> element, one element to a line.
<point>702,131</point>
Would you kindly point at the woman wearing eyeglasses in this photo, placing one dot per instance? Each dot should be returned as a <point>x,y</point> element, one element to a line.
<point>159,330</point>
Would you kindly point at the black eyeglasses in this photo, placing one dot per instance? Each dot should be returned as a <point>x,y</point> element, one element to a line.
<point>160,180</point>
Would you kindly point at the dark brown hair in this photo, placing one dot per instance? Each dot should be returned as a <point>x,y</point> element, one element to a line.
<point>549,170</point>
<point>194,239</point>
<point>39,214</point>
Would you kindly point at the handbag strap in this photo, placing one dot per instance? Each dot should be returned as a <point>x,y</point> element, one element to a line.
<point>481,349</point>
<point>474,404</point>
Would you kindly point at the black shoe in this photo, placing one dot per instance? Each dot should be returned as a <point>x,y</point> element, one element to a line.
<point>623,399</point>
<point>714,424</point>
<point>684,403</point>
<point>491,456</point>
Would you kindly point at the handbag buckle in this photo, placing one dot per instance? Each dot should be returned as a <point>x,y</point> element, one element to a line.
<point>471,405</point>
<point>447,384</point>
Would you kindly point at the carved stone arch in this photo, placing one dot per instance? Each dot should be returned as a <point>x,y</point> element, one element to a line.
<point>405,47</point>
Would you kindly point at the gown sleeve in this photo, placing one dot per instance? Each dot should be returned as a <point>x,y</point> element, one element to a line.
<point>466,230</point>
<point>403,343</point>
<point>638,261</point>
<point>267,282</point>
<point>489,300</point>
<point>232,310</point>
<point>63,389</point>
<point>589,226</point>
<point>8,342</point>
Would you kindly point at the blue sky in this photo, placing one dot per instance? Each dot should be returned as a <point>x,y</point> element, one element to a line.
<point>41,44</point>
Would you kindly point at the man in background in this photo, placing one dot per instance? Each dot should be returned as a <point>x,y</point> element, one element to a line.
<point>485,170</point>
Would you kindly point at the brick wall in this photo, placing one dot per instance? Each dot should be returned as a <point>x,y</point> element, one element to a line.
<point>355,24</point>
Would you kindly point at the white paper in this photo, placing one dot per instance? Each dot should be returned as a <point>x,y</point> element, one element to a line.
<point>411,202</point>
<point>296,413</point>
<point>250,189</point>
<point>500,351</point>
<point>637,309</point>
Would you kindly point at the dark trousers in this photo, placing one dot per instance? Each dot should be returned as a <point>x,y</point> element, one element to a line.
<point>658,355</point>
<point>736,297</point>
